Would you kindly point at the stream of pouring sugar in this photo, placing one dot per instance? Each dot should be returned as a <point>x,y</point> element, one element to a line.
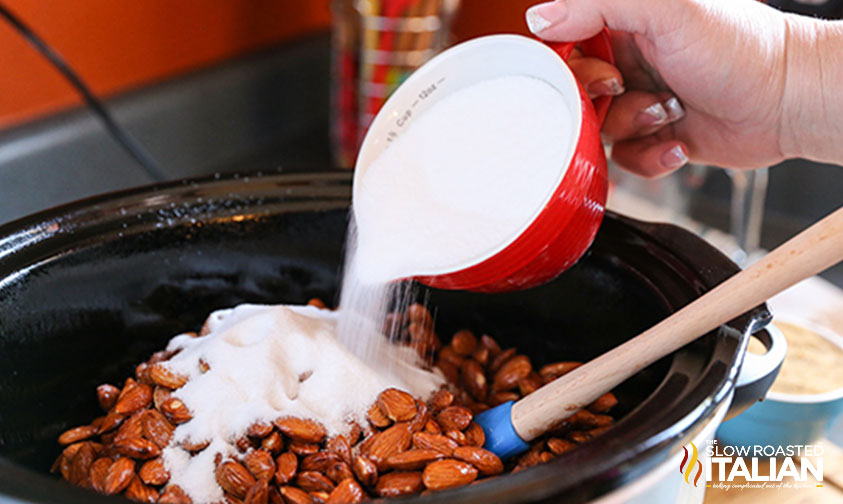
<point>364,307</point>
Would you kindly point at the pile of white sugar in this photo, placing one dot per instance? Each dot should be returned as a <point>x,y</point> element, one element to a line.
<point>266,362</point>
<point>463,180</point>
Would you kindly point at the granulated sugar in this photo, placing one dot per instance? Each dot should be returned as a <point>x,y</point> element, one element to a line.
<point>267,362</point>
<point>463,180</point>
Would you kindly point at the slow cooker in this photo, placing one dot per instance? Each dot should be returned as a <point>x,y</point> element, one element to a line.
<point>89,289</point>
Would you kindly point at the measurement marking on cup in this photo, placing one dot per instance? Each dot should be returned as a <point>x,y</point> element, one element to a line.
<point>415,103</point>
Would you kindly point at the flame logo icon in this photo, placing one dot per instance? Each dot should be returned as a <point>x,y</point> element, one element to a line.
<point>686,467</point>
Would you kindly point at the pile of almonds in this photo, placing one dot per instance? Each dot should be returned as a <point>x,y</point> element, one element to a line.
<point>409,446</point>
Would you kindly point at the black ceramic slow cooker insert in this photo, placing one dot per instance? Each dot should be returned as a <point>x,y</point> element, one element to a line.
<point>89,289</point>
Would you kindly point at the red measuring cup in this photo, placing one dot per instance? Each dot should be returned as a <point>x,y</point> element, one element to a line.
<point>567,222</point>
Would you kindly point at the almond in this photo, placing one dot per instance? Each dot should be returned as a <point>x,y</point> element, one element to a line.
<point>317,303</point>
<point>560,446</point>
<point>422,416</point>
<point>583,419</point>
<point>137,448</point>
<point>511,372</point>
<point>107,396</point>
<point>159,395</point>
<point>365,470</point>
<point>286,467</point>
<point>389,442</point>
<point>448,473</point>
<point>99,469</point>
<point>175,410</point>
<point>399,483</point>
<point>319,461</point>
<point>312,481</point>
<point>464,342</point>
<point>579,437</point>
<point>162,375</point>
<point>154,473</point>
<point>475,435</point>
<point>260,430</point>
<point>438,442</point>
<point>481,355</point>
<point>302,449</point>
<point>474,378</point>
<point>448,354</point>
<point>450,371</point>
<point>500,359</point>
<point>354,433</point>
<point>347,491</point>
<point>245,443</point>
<point>339,471</point>
<point>397,405</point>
<point>301,429</point>
<point>260,464</point>
<point>603,403</point>
<point>530,384</point>
<point>77,434</point>
<point>194,446</point>
<point>419,314</point>
<point>554,370</point>
<point>412,460</point>
<point>142,374</point>
<point>234,478</point>
<point>110,422</point>
<point>441,399</point>
<point>454,418</point>
<point>139,492</point>
<point>422,339</point>
<point>131,428</point>
<point>118,476</point>
<point>173,494</point>
<point>432,427</point>
<point>258,493</point>
<point>273,443</point>
<point>80,465</point>
<point>340,446</point>
<point>457,436</point>
<point>378,418</point>
<point>138,397</point>
<point>485,461</point>
<point>293,495</point>
<point>156,428</point>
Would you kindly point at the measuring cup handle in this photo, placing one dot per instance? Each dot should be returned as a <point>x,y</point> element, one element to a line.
<point>599,46</point>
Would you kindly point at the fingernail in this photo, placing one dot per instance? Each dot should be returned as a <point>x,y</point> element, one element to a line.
<point>654,115</point>
<point>543,16</point>
<point>674,109</point>
<point>608,87</point>
<point>674,158</point>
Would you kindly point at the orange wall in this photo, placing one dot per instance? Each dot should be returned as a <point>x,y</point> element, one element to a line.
<point>117,45</point>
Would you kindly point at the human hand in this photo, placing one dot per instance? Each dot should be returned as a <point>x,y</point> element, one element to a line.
<point>698,80</point>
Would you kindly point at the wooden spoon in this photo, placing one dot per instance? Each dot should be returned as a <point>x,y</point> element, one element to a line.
<point>509,426</point>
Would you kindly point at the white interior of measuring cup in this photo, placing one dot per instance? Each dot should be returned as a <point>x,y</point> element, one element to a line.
<point>464,65</point>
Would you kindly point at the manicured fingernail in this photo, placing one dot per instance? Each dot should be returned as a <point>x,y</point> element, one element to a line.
<point>674,109</point>
<point>654,115</point>
<point>674,158</point>
<point>543,16</point>
<point>608,87</point>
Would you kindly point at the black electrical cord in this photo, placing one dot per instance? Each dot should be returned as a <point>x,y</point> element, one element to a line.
<point>126,140</point>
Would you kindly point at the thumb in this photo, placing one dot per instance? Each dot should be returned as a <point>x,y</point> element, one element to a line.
<point>573,20</point>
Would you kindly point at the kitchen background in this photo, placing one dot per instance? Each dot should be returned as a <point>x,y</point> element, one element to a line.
<point>215,86</point>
